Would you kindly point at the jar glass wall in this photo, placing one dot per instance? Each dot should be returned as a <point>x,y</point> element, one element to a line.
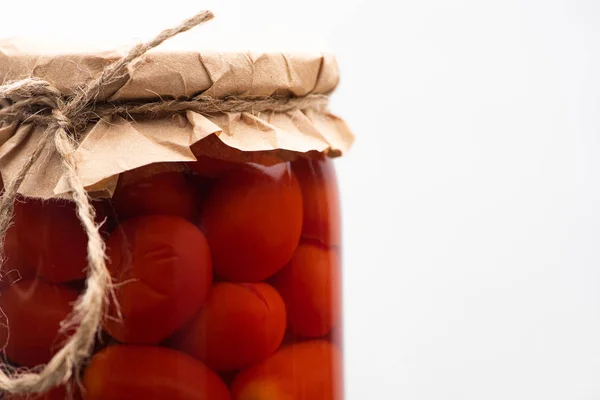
<point>227,284</point>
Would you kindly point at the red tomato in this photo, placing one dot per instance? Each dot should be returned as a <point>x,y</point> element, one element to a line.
<point>51,238</point>
<point>169,193</point>
<point>34,311</point>
<point>311,288</point>
<point>48,241</point>
<point>150,373</point>
<point>59,393</point>
<point>320,200</point>
<point>240,324</point>
<point>162,269</point>
<point>303,371</point>
<point>105,215</point>
<point>15,268</point>
<point>209,167</point>
<point>253,220</point>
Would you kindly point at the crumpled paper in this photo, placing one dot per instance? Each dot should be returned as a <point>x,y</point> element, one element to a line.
<point>119,145</point>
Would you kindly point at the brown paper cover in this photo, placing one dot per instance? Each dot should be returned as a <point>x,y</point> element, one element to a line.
<point>119,145</point>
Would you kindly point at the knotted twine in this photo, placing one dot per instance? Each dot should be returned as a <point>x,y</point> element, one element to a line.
<point>37,102</point>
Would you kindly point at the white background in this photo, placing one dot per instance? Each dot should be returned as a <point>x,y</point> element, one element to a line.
<point>472,195</point>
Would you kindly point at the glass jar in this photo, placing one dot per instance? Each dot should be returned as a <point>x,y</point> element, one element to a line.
<point>227,283</point>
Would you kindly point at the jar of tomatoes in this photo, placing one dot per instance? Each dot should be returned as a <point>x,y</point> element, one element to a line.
<point>222,233</point>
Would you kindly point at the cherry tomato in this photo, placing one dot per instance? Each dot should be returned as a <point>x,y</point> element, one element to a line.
<point>34,311</point>
<point>320,200</point>
<point>150,373</point>
<point>169,193</point>
<point>253,220</point>
<point>209,167</point>
<point>240,324</point>
<point>302,371</point>
<point>15,268</point>
<point>310,286</point>
<point>51,239</point>
<point>48,241</point>
<point>105,215</point>
<point>163,271</point>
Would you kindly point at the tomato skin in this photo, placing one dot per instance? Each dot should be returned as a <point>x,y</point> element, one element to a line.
<point>163,271</point>
<point>105,216</point>
<point>320,200</point>
<point>14,267</point>
<point>208,167</point>
<point>34,311</point>
<point>311,288</point>
<point>47,240</point>
<point>51,239</point>
<point>125,372</point>
<point>253,220</point>
<point>302,371</point>
<point>168,193</point>
<point>240,324</point>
